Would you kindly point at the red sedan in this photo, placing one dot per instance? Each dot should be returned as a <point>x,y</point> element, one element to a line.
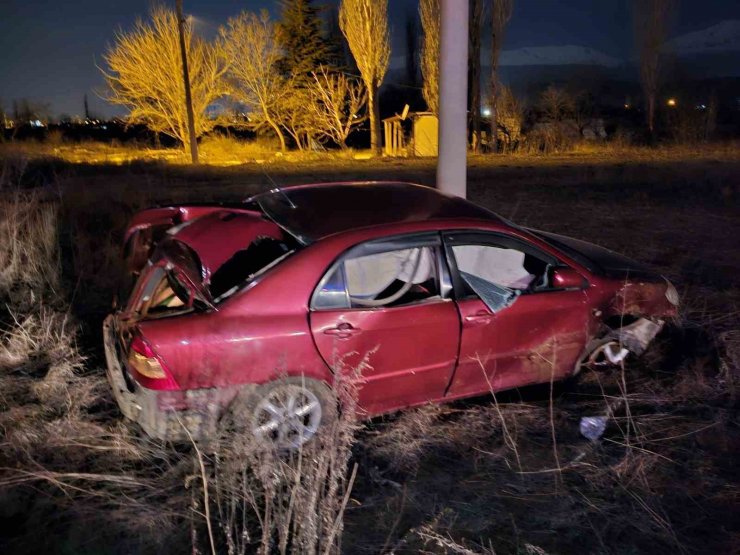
<point>251,307</point>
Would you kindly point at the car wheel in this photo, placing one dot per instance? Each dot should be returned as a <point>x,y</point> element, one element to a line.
<point>602,353</point>
<point>287,413</point>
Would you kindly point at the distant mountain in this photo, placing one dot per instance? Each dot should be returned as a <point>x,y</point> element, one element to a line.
<point>705,54</point>
<point>556,56</point>
<point>564,55</point>
<point>723,37</point>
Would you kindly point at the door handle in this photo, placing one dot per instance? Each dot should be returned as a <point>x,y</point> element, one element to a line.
<point>342,331</point>
<point>480,317</point>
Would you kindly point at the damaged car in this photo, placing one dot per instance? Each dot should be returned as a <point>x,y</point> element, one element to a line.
<point>256,309</point>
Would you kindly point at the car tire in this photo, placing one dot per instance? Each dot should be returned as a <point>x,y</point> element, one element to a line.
<point>594,356</point>
<point>285,413</point>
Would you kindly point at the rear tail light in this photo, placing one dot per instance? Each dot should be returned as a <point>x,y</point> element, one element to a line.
<point>143,359</point>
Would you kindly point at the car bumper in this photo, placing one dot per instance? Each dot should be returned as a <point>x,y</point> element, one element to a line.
<point>168,415</point>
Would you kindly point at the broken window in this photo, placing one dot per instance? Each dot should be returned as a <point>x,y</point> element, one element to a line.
<point>262,253</point>
<point>499,273</point>
<point>164,294</point>
<point>504,267</point>
<point>381,279</point>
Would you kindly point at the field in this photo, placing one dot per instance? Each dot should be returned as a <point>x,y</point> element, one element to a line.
<point>509,474</point>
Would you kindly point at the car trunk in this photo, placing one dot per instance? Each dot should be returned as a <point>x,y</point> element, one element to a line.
<point>176,265</point>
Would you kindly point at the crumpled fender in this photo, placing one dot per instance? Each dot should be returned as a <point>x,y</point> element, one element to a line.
<point>642,298</point>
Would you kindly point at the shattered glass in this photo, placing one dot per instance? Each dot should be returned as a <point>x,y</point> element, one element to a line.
<point>494,296</point>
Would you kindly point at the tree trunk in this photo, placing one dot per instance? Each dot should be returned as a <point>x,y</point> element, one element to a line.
<point>651,114</point>
<point>278,132</point>
<point>375,140</point>
<point>493,143</point>
<point>476,14</point>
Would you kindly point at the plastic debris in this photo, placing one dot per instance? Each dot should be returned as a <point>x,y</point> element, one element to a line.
<point>593,427</point>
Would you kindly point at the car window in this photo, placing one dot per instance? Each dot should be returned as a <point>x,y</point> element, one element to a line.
<point>261,254</point>
<point>384,279</point>
<point>501,266</point>
<point>498,274</point>
<point>165,295</point>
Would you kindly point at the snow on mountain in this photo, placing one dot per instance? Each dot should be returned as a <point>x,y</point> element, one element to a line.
<point>723,37</point>
<point>541,56</point>
<point>557,55</point>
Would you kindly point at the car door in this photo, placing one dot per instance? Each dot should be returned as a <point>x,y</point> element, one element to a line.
<point>517,327</point>
<point>385,309</point>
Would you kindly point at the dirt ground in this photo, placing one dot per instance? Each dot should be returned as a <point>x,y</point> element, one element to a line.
<point>510,474</point>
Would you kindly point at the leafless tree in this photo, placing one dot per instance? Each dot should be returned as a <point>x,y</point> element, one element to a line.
<point>145,75</point>
<point>651,20</point>
<point>298,117</point>
<point>3,118</point>
<point>557,104</point>
<point>509,117</point>
<point>365,25</point>
<point>250,43</point>
<point>429,14</point>
<point>475,27</point>
<point>338,105</point>
<point>500,15</point>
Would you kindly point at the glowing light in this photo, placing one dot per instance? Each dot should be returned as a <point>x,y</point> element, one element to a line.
<point>671,102</point>
<point>626,106</point>
<point>486,112</point>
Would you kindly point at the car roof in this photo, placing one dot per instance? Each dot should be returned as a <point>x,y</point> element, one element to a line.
<point>313,212</point>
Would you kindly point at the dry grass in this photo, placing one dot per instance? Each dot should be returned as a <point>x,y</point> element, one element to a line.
<point>54,438</point>
<point>437,479</point>
<point>61,437</point>
<point>268,501</point>
<point>28,234</point>
<point>218,150</point>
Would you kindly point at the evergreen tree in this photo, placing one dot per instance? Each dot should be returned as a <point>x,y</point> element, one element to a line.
<point>340,57</point>
<point>301,35</point>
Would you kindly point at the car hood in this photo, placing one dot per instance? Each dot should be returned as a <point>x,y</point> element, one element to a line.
<point>598,260</point>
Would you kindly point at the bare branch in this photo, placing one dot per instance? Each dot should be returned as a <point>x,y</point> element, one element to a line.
<point>145,75</point>
<point>338,104</point>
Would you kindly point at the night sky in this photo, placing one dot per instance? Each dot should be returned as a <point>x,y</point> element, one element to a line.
<point>50,49</point>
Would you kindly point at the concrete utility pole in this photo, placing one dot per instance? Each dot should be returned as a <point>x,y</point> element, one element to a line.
<point>453,97</point>
<point>186,79</point>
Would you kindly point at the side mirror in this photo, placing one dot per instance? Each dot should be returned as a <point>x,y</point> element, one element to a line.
<point>567,278</point>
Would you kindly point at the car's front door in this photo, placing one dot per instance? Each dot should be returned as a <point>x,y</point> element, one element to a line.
<point>517,329</point>
<point>384,310</point>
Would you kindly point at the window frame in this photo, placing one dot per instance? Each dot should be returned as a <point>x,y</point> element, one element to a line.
<point>431,239</point>
<point>496,239</point>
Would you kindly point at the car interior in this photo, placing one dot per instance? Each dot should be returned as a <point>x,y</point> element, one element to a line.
<point>393,278</point>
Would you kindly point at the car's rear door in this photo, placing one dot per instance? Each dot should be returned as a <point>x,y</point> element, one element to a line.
<point>384,309</point>
<point>517,329</point>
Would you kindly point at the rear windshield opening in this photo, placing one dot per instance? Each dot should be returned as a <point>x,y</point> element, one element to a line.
<point>262,253</point>
<point>165,295</point>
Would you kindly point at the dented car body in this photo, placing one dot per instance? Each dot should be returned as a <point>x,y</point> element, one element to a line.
<point>441,297</point>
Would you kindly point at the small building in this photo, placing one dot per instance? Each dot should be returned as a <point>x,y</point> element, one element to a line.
<point>425,130</point>
<point>411,134</point>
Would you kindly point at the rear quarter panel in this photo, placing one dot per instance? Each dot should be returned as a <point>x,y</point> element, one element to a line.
<point>258,335</point>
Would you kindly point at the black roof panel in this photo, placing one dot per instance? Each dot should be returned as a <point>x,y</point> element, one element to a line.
<point>312,212</point>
